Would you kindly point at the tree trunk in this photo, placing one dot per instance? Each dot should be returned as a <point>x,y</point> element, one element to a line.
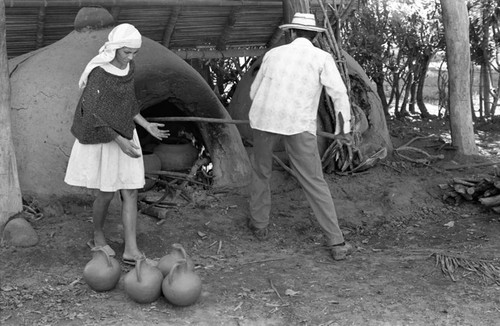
<point>456,26</point>
<point>379,82</point>
<point>413,96</point>
<point>485,65</point>
<point>424,67</point>
<point>495,98</point>
<point>407,94</point>
<point>481,102</point>
<point>471,88</point>
<point>10,192</point>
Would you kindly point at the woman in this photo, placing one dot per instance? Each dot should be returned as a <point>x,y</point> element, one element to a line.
<point>107,154</point>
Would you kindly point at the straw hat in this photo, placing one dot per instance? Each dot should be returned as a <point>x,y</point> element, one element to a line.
<point>303,21</point>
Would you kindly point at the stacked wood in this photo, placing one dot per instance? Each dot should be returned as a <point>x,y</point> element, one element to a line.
<point>485,190</point>
<point>339,156</point>
<point>172,190</point>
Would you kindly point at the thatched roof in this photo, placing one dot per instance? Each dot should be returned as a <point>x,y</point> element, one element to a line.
<point>196,28</point>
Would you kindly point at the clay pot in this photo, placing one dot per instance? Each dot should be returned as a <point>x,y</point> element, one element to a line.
<point>176,154</point>
<point>168,261</point>
<point>181,287</point>
<point>102,273</point>
<point>143,283</point>
<point>151,163</point>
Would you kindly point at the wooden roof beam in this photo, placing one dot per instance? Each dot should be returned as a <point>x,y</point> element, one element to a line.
<point>124,3</point>
<point>231,21</point>
<point>169,29</point>
<point>115,12</point>
<point>40,26</point>
<point>214,54</point>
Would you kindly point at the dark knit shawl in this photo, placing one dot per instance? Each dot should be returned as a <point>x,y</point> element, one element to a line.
<point>106,108</point>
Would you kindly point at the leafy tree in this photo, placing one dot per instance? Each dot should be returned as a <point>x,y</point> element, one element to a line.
<point>395,41</point>
<point>225,75</point>
<point>365,34</point>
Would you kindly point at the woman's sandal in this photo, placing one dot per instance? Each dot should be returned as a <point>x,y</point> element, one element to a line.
<point>106,248</point>
<point>133,261</point>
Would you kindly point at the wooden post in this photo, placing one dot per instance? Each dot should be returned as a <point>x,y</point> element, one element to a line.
<point>169,28</point>
<point>10,192</point>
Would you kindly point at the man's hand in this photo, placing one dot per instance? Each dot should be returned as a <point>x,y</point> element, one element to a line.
<point>345,143</point>
<point>128,146</point>
<point>344,139</point>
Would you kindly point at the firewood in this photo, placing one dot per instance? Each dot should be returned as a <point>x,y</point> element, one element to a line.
<point>490,201</point>
<point>481,187</point>
<point>491,192</point>
<point>460,189</point>
<point>467,183</point>
<point>158,212</point>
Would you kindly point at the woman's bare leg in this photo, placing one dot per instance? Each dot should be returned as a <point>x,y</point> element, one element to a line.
<point>99,212</point>
<point>129,218</point>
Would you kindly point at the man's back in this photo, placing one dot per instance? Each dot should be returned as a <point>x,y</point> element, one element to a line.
<point>298,63</point>
<point>288,86</point>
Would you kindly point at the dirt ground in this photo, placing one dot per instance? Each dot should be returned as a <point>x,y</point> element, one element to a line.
<point>393,214</point>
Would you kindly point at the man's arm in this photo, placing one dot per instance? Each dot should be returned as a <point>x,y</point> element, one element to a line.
<point>335,88</point>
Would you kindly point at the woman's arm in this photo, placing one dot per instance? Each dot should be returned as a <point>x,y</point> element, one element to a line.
<point>128,146</point>
<point>152,127</point>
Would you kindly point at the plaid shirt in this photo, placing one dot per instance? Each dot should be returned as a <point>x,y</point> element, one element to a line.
<point>286,91</point>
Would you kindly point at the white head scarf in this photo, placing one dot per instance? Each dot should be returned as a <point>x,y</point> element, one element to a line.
<point>123,35</point>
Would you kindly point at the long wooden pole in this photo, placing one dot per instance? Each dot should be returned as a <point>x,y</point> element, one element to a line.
<point>10,193</point>
<point>218,120</point>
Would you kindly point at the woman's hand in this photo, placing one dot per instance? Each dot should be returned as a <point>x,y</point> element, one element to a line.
<point>128,146</point>
<point>152,127</point>
<point>156,132</point>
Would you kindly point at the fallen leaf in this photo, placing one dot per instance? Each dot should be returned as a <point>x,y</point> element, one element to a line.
<point>7,288</point>
<point>291,293</point>
<point>450,224</point>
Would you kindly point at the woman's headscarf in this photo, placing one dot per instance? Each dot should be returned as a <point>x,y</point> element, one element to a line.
<point>123,35</point>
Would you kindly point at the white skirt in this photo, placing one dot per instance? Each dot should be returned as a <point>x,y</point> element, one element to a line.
<point>104,167</point>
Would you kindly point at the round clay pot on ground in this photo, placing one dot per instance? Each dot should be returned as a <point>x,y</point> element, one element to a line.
<point>176,254</point>
<point>143,283</point>
<point>151,163</point>
<point>176,154</point>
<point>182,286</point>
<point>103,272</point>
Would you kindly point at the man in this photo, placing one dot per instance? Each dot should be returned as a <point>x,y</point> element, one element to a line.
<point>285,94</point>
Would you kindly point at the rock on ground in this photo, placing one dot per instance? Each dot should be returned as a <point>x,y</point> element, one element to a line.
<point>19,232</point>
